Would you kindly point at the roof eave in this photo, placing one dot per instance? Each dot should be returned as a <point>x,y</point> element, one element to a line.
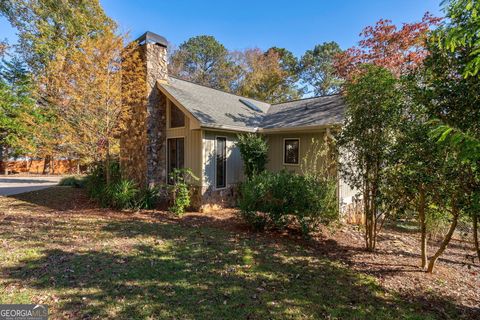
<point>299,128</point>
<point>221,127</point>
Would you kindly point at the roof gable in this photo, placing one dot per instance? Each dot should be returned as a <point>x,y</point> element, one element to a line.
<point>218,109</point>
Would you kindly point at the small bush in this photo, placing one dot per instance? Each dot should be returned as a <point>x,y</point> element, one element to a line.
<point>72,181</point>
<point>147,198</point>
<point>120,193</point>
<point>277,199</point>
<point>180,190</point>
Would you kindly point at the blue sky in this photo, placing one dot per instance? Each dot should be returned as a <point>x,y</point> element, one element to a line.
<point>296,25</point>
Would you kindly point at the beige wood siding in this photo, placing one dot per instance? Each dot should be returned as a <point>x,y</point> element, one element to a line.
<point>193,143</point>
<point>234,160</point>
<point>276,145</point>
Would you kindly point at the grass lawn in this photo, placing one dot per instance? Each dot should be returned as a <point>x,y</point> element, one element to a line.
<point>86,262</point>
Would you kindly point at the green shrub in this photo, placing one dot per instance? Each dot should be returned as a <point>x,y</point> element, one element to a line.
<point>254,151</point>
<point>180,190</point>
<point>120,193</point>
<point>72,181</point>
<point>277,199</point>
<point>147,197</point>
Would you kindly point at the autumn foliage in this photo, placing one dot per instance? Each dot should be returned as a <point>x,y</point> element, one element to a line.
<point>399,50</point>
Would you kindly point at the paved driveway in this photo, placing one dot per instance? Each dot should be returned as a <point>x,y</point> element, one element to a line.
<point>14,185</point>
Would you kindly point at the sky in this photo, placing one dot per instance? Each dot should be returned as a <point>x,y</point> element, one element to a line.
<point>296,24</point>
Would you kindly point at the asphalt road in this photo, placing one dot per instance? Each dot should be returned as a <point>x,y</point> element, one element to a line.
<point>15,185</point>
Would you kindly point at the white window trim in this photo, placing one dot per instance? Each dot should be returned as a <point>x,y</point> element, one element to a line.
<point>283,152</point>
<point>226,163</point>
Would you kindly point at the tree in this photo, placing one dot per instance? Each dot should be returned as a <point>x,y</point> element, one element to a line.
<point>270,76</point>
<point>204,60</point>
<point>46,29</point>
<point>16,103</point>
<point>453,86</point>
<point>398,50</point>
<point>366,140</point>
<point>453,196</point>
<point>318,70</point>
<point>84,87</point>
<point>413,176</point>
<point>462,32</point>
<point>45,26</point>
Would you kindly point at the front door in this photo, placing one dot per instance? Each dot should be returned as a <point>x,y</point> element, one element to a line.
<point>175,155</point>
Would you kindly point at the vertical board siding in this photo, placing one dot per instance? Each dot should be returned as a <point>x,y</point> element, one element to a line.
<point>234,159</point>
<point>193,144</point>
<point>275,149</point>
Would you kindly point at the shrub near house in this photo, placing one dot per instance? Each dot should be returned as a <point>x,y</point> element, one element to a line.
<point>277,199</point>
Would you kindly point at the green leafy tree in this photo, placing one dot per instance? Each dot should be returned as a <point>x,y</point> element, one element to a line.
<point>453,87</point>
<point>15,104</point>
<point>366,140</point>
<point>318,70</point>
<point>413,173</point>
<point>461,32</point>
<point>45,26</point>
<point>204,60</point>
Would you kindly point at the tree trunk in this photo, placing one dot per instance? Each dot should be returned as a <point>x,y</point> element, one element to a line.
<point>52,165</point>
<point>444,244</point>
<point>107,164</point>
<point>4,159</point>
<point>423,227</point>
<point>29,164</point>
<point>475,235</point>
<point>46,164</point>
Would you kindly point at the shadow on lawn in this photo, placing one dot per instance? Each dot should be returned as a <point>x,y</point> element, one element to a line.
<point>56,198</point>
<point>200,267</point>
<point>208,273</point>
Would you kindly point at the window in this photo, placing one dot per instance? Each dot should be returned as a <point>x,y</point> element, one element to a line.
<point>175,155</point>
<point>291,148</point>
<point>221,162</point>
<point>177,118</point>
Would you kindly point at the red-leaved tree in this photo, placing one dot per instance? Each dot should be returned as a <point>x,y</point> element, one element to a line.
<point>399,50</point>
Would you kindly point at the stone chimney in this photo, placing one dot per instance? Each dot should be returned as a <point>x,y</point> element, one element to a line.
<point>142,145</point>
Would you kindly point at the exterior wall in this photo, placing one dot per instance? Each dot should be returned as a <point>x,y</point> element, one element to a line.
<point>142,144</point>
<point>234,171</point>
<point>156,61</point>
<point>276,145</point>
<point>192,143</point>
<point>346,195</point>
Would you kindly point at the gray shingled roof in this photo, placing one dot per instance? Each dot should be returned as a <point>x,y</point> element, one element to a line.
<point>218,109</point>
<point>317,111</point>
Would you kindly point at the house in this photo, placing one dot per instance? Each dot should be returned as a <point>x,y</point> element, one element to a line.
<point>185,125</point>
